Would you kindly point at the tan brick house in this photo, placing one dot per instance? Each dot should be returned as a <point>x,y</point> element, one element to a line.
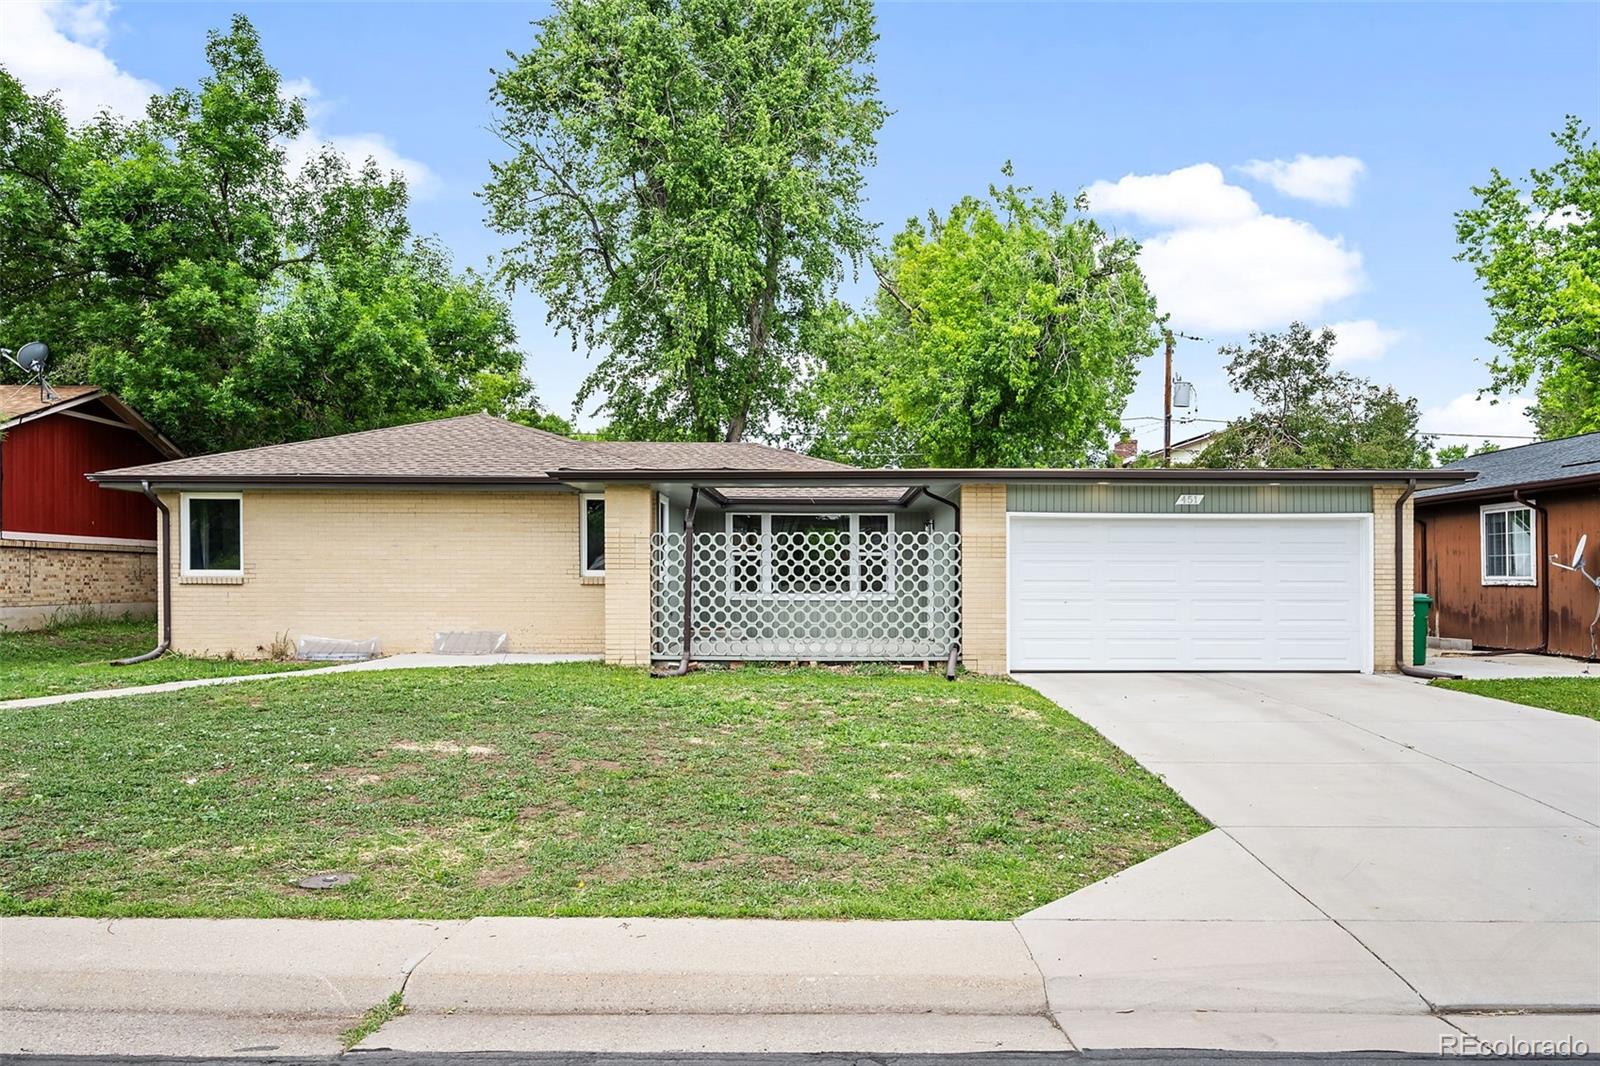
<point>475,525</point>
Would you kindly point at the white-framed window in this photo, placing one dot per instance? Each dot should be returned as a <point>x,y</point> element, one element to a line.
<point>810,556</point>
<point>1507,543</point>
<point>212,524</point>
<point>592,534</point>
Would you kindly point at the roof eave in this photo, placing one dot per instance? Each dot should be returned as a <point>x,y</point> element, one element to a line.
<point>1012,476</point>
<point>1466,492</point>
<point>114,478</point>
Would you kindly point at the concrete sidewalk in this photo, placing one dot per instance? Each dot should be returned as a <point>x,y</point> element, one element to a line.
<point>1511,664</point>
<point>204,987</point>
<point>412,661</point>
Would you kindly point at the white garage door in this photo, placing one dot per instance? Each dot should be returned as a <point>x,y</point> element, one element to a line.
<point>1256,592</point>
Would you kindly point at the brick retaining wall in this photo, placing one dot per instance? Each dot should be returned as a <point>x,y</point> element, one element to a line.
<point>41,580</point>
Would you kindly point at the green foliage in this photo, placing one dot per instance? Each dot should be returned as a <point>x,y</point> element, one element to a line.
<point>1535,246</point>
<point>75,656</point>
<point>176,260</point>
<point>685,182</point>
<point>1006,333</point>
<point>1454,453</point>
<point>1309,415</point>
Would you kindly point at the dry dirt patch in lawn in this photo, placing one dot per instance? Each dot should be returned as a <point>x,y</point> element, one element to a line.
<point>572,789</point>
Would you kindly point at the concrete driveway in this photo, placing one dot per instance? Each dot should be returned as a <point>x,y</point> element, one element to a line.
<point>1382,847</point>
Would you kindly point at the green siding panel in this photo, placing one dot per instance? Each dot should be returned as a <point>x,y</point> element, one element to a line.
<point>1088,498</point>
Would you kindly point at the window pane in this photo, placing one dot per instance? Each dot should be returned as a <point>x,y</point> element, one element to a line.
<point>1494,544</point>
<point>594,524</point>
<point>1519,546</point>
<point>746,553</point>
<point>876,548</point>
<point>809,555</point>
<point>213,534</point>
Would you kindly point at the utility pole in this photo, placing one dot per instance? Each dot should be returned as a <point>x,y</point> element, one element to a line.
<point>1166,428</point>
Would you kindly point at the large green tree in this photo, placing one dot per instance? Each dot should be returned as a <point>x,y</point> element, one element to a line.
<point>1308,414</point>
<point>1535,245</point>
<point>178,260</point>
<point>684,187</point>
<point>1005,333</point>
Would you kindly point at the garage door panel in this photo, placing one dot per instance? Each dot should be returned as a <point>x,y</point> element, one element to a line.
<point>1185,593</point>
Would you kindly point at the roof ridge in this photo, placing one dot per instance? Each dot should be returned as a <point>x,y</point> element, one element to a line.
<point>1519,447</point>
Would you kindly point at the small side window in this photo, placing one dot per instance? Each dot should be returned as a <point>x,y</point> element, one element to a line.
<point>592,535</point>
<point>213,535</point>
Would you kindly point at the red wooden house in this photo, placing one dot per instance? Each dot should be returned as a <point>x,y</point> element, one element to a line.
<point>64,544</point>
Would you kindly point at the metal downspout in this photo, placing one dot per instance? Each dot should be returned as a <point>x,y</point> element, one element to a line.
<point>1400,593</point>
<point>164,572</point>
<point>688,583</point>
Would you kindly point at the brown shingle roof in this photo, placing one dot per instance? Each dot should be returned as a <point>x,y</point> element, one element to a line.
<point>19,400</point>
<point>691,455</point>
<point>471,447</point>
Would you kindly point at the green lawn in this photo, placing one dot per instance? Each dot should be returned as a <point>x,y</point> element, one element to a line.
<point>1569,695</point>
<point>77,657</point>
<point>575,789</point>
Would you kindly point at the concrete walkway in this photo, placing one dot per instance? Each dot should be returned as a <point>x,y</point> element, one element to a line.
<point>413,661</point>
<point>1511,664</point>
<point>1383,849</point>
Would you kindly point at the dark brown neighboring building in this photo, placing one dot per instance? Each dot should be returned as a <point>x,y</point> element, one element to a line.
<point>1483,547</point>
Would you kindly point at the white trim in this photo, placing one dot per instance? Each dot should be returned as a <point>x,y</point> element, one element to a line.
<point>663,512</point>
<point>766,593</point>
<point>73,538</point>
<point>1368,619</point>
<point>1488,581</point>
<point>583,533</point>
<point>97,418</point>
<point>183,534</point>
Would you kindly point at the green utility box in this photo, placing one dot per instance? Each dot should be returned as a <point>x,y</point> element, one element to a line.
<point>1421,604</point>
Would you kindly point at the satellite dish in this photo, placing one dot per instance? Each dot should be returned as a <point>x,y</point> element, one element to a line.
<point>32,356</point>
<point>1577,553</point>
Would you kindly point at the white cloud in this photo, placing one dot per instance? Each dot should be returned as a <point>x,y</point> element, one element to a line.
<point>1219,263</point>
<point>60,46</point>
<point>1255,274</point>
<point>1362,339</point>
<point>1322,179</point>
<point>1196,195</point>
<point>1479,418</point>
<point>357,148</point>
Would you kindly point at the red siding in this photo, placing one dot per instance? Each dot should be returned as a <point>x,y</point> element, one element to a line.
<point>43,490</point>
<point>1449,568</point>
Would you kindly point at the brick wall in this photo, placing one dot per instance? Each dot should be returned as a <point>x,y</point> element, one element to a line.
<point>41,579</point>
<point>983,578</point>
<point>398,566</point>
<point>630,520</point>
<point>1383,575</point>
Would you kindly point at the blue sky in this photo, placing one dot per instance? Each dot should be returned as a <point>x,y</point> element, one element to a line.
<point>1292,161</point>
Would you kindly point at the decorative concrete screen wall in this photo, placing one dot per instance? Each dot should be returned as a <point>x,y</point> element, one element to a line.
<point>828,596</point>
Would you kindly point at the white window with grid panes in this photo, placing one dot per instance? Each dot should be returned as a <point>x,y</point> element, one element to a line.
<point>1507,543</point>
